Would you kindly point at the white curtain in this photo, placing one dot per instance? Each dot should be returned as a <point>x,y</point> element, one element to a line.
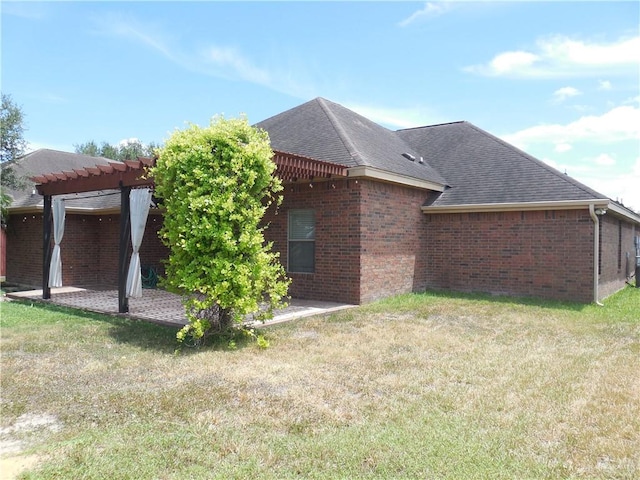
<point>139,202</point>
<point>55,270</point>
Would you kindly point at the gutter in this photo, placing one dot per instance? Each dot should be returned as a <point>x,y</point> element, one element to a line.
<point>516,206</point>
<point>604,203</point>
<point>596,250</point>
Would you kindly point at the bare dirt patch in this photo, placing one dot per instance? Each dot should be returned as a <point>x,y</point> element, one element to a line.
<point>14,465</point>
<point>18,436</point>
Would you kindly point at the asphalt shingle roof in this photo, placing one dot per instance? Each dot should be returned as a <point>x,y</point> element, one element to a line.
<point>481,168</point>
<point>327,131</point>
<point>53,161</point>
<point>475,166</point>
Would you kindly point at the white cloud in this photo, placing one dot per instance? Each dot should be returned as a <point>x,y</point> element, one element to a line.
<point>227,61</point>
<point>28,10</point>
<point>615,184</point>
<point>604,85</point>
<point>129,141</point>
<point>47,97</point>
<point>430,9</point>
<point>620,123</point>
<point>149,35</point>
<point>604,160</point>
<point>565,92</point>
<point>562,147</point>
<point>560,56</point>
<point>618,186</point>
<point>395,117</point>
<point>220,61</point>
<point>612,171</point>
<point>510,61</point>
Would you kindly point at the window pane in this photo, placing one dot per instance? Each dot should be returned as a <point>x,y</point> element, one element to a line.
<point>302,257</point>
<point>302,225</point>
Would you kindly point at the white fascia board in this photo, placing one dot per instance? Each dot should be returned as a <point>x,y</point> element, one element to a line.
<point>382,175</point>
<point>522,206</point>
<point>604,203</point>
<point>624,212</point>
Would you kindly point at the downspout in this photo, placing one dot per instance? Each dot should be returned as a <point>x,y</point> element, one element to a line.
<point>596,251</point>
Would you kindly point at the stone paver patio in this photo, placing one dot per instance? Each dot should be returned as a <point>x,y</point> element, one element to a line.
<point>159,306</point>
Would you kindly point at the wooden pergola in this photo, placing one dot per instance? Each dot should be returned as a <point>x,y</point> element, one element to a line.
<point>130,174</point>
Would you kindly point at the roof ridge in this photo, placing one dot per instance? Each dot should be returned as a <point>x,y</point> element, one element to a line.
<point>342,134</point>
<point>531,158</point>
<point>433,125</point>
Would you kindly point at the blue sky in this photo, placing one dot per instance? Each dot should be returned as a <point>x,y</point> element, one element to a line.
<point>558,79</point>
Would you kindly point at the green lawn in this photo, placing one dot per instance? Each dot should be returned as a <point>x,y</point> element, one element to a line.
<point>428,386</point>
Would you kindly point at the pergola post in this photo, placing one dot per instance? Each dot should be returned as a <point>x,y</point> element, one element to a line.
<point>46,247</point>
<point>125,227</point>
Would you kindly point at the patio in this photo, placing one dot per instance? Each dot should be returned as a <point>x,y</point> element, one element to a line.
<point>159,306</point>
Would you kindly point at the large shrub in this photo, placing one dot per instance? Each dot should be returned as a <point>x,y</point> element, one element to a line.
<point>216,184</point>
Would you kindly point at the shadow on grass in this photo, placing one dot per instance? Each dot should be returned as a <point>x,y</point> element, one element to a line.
<point>146,335</point>
<point>121,329</point>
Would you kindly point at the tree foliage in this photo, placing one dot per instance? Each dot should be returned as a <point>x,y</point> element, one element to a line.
<point>126,150</point>
<point>5,203</point>
<point>216,184</point>
<point>12,144</point>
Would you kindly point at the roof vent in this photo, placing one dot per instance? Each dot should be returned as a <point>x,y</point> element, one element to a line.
<point>408,156</point>
<point>421,160</point>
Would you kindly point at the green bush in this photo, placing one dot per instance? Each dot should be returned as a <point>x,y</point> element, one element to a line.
<point>216,184</point>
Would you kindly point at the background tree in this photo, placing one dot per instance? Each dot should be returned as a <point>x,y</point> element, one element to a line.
<point>12,142</point>
<point>5,203</point>
<point>216,184</point>
<point>125,150</point>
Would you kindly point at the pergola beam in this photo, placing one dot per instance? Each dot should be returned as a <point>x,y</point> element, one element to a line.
<point>133,173</point>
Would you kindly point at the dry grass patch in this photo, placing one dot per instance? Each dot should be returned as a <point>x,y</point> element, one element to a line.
<point>419,386</point>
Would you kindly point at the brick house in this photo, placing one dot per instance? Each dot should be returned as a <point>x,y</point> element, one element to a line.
<point>446,207</point>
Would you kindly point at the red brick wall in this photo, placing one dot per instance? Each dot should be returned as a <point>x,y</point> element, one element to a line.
<point>337,273</point>
<point>368,239</point>
<point>547,254</point>
<point>393,243</point>
<point>152,251</point>
<point>24,249</point>
<point>616,242</point>
<point>372,241</point>
<point>89,249</point>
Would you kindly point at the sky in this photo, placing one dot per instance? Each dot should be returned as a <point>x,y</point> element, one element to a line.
<point>559,80</point>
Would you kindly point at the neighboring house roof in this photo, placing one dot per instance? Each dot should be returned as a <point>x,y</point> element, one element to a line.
<point>46,160</point>
<point>483,169</point>
<point>324,130</point>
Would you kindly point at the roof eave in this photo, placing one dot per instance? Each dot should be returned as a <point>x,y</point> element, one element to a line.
<point>366,171</point>
<point>604,203</point>
<point>518,206</point>
<point>623,211</point>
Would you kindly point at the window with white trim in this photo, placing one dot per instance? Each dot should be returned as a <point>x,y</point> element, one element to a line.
<point>302,241</point>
